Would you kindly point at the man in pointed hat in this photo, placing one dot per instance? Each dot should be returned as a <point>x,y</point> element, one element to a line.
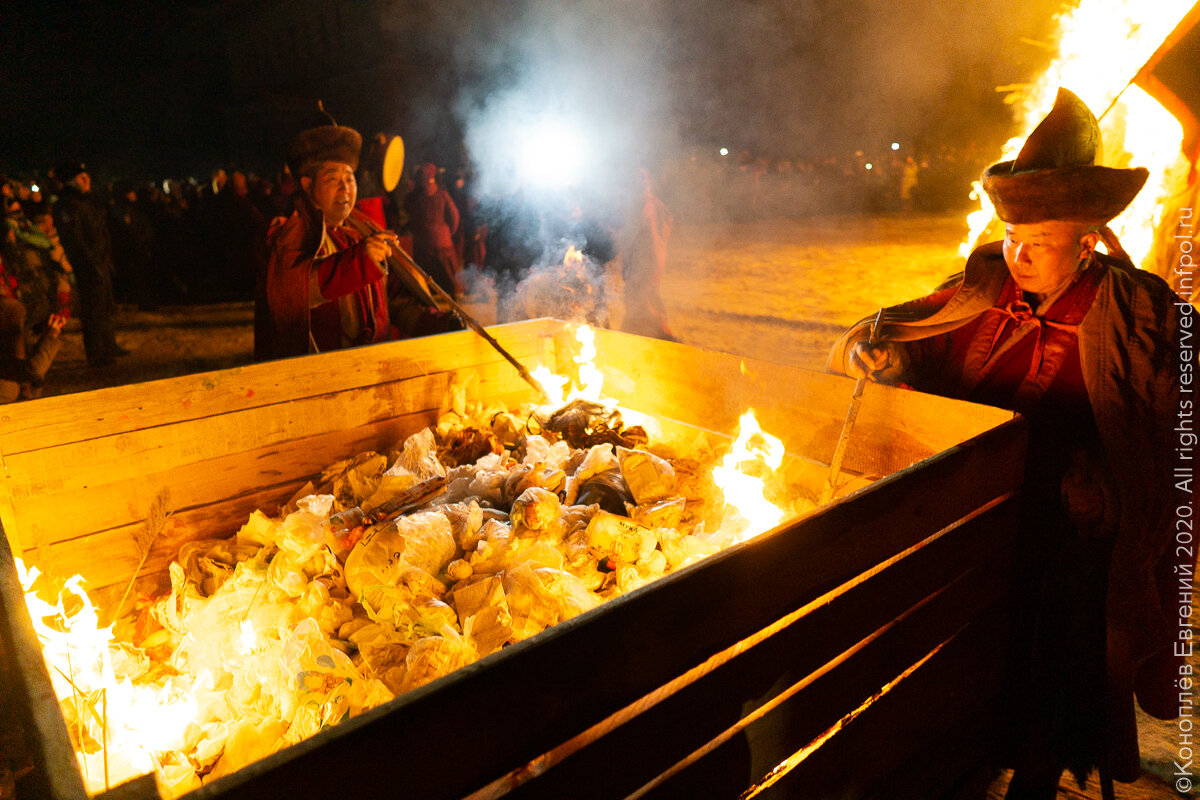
<point>1083,345</point>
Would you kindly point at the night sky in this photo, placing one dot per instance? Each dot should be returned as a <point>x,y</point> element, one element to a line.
<point>149,89</point>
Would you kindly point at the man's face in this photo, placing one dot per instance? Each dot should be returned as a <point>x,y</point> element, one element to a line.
<point>1042,256</point>
<point>333,191</point>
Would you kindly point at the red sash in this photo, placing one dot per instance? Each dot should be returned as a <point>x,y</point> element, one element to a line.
<point>1013,351</point>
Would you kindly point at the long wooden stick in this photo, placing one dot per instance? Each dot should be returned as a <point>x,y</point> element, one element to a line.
<point>407,263</point>
<point>839,452</point>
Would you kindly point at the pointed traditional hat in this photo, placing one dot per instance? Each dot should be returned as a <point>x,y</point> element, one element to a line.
<point>1055,176</point>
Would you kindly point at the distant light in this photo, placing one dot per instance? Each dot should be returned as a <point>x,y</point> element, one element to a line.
<point>895,145</point>
<point>553,155</point>
<point>869,165</point>
<point>34,188</point>
<point>724,151</point>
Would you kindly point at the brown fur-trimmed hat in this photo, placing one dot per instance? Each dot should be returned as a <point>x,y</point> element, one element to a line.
<point>1055,176</point>
<point>324,143</point>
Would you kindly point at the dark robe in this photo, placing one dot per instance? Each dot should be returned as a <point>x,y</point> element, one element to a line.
<point>1097,372</point>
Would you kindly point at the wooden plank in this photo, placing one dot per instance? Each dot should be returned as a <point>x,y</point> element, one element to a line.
<point>28,684</point>
<point>527,695</point>
<point>806,409</point>
<point>59,502</point>
<point>818,702</point>
<point>921,708</point>
<point>956,765</point>
<point>110,557</point>
<point>682,723</point>
<point>193,485</point>
<point>96,461</point>
<point>104,412</point>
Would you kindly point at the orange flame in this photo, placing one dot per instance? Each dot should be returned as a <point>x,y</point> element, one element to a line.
<point>1101,46</point>
<point>591,380</point>
<point>754,450</point>
<point>129,726</point>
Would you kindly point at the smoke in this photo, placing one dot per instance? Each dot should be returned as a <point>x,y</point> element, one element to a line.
<point>566,98</point>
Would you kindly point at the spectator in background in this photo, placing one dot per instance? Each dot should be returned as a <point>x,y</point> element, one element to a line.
<point>240,232</point>
<point>133,247</point>
<point>21,376</point>
<point>37,262</point>
<point>82,224</point>
<point>644,261</point>
<point>55,260</point>
<point>433,219</point>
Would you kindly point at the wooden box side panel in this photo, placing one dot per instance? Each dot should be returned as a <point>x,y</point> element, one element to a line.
<point>830,656</point>
<point>806,409</point>
<point>78,417</point>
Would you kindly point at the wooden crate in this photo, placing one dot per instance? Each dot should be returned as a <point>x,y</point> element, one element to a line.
<point>861,644</point>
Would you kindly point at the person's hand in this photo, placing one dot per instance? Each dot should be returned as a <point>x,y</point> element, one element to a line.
<point>55,324</point>
<point>379,245</point>
<point>866,359</point>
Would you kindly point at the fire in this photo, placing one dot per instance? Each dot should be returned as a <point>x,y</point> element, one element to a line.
<point>753,452</point>
<point>252,666</point>
<point>590,381</point>
<point>1101,46</point>
<point>120,729</point>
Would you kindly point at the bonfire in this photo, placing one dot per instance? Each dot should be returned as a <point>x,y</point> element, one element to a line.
<point>392,571</point>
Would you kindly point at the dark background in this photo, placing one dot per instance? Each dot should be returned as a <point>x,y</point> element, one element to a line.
<point>151,89</point>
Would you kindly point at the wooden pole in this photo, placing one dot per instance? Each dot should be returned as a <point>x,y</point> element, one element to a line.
<point>839,452</point>
<point>406,262</point>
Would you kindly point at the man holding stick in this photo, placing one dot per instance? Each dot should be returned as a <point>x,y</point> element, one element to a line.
<point>326,283</point>
<point>1086,347</point>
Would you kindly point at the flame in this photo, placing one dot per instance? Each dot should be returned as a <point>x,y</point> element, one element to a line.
<point>590,381</point>
<point>120,729</point>
<point>744,491</point>
<point>1101,46</point>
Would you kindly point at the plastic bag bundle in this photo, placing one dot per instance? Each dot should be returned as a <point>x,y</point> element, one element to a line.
<point>418,458</point>
<point>649,477</point>
<point>421,540</point>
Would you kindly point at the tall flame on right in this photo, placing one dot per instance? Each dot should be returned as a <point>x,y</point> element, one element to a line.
<point>1102,44</point>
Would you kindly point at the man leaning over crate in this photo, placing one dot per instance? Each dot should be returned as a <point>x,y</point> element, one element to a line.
<point>1085,346</point>
<point>326,284</point>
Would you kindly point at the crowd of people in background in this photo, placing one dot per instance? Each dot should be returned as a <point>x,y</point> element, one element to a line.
<point>740,186</point>
<point>79,244</point>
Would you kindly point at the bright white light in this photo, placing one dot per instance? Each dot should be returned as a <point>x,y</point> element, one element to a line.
<point>34,188</point>
<point>724,151</point>
<point>895,145</point>
<point>869,165</point>
<point>552,155</point>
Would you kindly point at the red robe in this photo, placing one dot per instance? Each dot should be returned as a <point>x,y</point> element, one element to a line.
<point>321,290</point>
